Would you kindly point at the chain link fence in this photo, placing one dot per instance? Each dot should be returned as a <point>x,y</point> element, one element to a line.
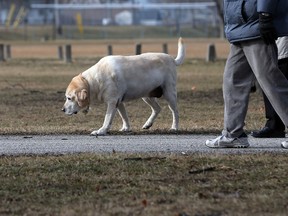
<point>108,21</point>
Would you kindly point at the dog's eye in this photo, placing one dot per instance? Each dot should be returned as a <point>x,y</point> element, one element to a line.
<point>68,98</point>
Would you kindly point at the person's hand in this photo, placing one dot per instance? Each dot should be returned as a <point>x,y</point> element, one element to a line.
<point>267,29</point>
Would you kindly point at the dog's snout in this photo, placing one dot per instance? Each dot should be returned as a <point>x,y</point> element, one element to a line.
<point>63,109</point>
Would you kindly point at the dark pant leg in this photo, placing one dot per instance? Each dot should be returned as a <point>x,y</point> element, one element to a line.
<point>273,120</point>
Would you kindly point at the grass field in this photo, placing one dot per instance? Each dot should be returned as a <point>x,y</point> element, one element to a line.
<point>32,88</point>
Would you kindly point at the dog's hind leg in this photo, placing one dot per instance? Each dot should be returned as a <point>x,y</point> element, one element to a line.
<point>123,114</point>
<point>172,103</point>
<point>110,113</point>
<point>155,111</point>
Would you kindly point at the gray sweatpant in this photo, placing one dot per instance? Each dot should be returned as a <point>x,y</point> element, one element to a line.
<point>247,60</point>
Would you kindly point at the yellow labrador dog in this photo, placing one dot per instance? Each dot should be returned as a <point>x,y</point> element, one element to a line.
<point>117,79</point>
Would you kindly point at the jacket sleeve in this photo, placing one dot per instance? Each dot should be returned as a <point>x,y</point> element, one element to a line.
<point>267,6</point>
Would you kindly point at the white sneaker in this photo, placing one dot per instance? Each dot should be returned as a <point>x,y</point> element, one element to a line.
<point>284,144</point>
<point>226,142</point>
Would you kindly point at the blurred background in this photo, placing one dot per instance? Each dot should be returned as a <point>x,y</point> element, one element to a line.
<point>46,20</point>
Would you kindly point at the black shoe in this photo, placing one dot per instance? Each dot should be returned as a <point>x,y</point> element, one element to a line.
<point>267,132</point>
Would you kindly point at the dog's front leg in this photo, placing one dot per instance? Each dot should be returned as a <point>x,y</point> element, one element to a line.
<point>110,113</point>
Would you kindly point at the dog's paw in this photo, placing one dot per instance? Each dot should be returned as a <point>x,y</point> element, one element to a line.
<point>125,129</point>
<point>98,133</point>
<point>94,133</point>
<point>173,129</point>
<point>146,126</point>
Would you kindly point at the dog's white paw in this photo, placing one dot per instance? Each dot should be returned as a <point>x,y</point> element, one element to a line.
<point>98,133</point>
<point>94,133</point>
<point>146,126</point>
<point>173,129</point>
<point>125,129</point>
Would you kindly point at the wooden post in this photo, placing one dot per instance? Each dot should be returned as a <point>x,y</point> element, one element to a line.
<point>60,52</point>
<point>165,48</point>
<point>109,49</point>
<point>138,49</point>
<point>8,51</point>
<point>211,55</point>
<point>68,53</point>
<point>2,58</point>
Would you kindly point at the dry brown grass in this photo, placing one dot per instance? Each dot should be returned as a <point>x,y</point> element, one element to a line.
<point>152,184</point>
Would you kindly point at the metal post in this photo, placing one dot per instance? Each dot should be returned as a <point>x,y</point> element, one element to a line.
<point>60,52</point>
<point>68,53</point>
<point>109,49</point>
<point>2,58</point>
<point>165,48</point>
<point>8,51</point>
<point>211,55</point>
<point>138,49</point>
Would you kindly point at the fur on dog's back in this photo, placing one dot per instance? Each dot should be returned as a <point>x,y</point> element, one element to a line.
<point>122,75</point>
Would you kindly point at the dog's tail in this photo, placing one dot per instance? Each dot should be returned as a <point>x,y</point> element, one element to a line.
<point>181,52</point>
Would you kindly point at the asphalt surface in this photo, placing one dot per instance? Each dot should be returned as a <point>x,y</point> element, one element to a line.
<point>71,144</point>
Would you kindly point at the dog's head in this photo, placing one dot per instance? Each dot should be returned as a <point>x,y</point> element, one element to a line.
<point>77,96</point>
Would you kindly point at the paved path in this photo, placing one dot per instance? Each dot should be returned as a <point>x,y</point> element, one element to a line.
<point>69,144</point>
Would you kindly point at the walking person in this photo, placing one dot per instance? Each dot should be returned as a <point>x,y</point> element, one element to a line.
<point>251,27</point>
<point>274,127</point>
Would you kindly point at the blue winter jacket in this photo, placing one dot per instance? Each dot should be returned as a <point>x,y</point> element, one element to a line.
<point>242,18</point>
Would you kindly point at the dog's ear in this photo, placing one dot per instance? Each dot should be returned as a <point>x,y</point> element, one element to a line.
<point>82,98</point>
